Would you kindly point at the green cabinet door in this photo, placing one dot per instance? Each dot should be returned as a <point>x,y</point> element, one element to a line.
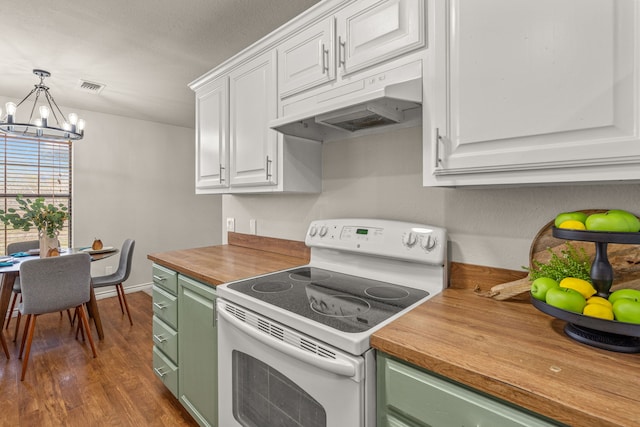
<point>197,350</point>
<point>412,397</point>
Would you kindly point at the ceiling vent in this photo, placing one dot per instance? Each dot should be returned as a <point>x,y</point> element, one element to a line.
<point>90,87</point>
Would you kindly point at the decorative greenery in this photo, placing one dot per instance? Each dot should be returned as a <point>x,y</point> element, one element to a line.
<point>570,263</point>
<point>45,217</point>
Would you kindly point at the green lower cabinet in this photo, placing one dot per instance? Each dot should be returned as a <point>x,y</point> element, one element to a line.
<point>408,396</point>
<point>197,350</point>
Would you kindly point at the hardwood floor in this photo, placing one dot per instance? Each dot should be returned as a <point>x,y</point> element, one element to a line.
<point>65,386</point>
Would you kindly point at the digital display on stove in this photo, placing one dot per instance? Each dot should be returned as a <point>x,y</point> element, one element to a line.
<point>362,231</point>
<point>344,302</point>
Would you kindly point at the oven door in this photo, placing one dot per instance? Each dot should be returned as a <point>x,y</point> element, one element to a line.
<point>271,375</point>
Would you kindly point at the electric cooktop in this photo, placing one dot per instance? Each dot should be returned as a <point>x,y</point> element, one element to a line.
<point>341,301</point>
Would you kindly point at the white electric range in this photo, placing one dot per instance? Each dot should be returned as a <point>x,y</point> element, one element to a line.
<point>293,345</point>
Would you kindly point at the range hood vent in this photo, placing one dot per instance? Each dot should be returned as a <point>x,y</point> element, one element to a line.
<point>357,113</point>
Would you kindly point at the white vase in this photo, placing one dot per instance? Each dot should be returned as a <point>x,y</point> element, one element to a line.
<point>47,243</point>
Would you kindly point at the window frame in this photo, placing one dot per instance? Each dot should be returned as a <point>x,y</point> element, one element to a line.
<point>46,169</point>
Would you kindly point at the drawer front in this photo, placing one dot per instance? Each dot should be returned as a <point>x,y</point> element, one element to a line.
<point>165,306</point>
<point>414,397</point>
<point>165,338</point>
<point>165,278</point>
<point>166,371</point>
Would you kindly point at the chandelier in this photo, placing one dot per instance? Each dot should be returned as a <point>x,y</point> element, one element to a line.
<point>64,128</point>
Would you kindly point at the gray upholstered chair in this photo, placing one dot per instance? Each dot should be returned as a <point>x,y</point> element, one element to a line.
<point>116,279</point>
<point>13,248</point>
<point>50,285</point>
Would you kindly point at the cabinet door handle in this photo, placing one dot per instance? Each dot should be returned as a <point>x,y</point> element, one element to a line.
<point>268,168</point>
<point>159,278</point>
<point>159,305</point>
<point>341,52</point>
<point>436,155</point>
<point>159,339</point>
<point>221,173</point>
<point>325,59</point>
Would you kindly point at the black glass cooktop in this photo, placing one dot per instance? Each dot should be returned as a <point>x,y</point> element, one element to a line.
<point>344,302</point>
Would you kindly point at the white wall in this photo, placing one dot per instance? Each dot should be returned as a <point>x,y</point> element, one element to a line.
<point>380,176</point>
<point>136,179</point>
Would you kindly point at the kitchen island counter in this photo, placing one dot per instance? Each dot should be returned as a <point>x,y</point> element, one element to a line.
<point>512,351</point>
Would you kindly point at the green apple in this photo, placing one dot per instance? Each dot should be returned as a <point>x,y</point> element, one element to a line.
<point>632,294</point>
<point>540,286</point>
<point>632,220</point>
<point>607,222</point>
<point>627,310</point>
<point>566,216</point>
<point>566,299</point>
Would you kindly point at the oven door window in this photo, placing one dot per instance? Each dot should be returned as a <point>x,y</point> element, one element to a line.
<point>264,396</point>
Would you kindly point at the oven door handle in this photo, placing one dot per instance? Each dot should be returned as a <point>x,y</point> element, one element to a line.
<point>338,367</point>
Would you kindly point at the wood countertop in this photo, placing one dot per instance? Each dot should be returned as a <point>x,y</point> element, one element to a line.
<point>245,256</point>
<point>512,351</point>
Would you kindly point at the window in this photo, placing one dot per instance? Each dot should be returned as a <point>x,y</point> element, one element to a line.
<point>34,168</point>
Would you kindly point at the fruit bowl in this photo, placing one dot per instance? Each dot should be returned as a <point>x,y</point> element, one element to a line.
<point>602,333</point>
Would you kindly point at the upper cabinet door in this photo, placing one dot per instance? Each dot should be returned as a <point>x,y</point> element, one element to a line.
<point>307,59</point>
<point>372,31</point>
<point>253,103</point>
<point>212,135</point>
<point>534,92</point>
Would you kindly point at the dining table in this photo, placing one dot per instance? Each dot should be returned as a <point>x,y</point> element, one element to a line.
<point>10,272</point>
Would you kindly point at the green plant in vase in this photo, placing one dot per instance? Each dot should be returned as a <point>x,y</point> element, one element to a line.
<point>47,218</point>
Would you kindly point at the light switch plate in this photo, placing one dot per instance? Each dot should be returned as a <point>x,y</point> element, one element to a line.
<point>252,226</point>
<point>231,224</point>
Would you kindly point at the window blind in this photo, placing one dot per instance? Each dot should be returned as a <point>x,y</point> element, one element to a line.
<point>34,168</point>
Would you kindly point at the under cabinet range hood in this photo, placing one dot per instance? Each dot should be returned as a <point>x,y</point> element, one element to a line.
<point>356,108</point>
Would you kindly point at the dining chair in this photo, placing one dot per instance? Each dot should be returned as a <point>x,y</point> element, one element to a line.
<point>50,285</point>
<point>12,248</point>
<point>116,279</point>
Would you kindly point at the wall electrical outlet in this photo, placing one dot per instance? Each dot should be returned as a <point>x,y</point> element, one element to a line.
<point>252,226</point>
<point>231,224</point>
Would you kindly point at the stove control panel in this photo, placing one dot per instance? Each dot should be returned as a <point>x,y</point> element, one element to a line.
<point>386,238</point>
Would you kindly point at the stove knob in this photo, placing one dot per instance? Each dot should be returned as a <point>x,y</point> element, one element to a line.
<point>313,230</point>
<point>428,243</point>
<point>409,239</point>
<point>323,231</point>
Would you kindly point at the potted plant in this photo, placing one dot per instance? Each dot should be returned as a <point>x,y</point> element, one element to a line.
<point>47,218</point>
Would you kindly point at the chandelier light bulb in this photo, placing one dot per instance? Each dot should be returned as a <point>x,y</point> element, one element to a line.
<point>81,125</point>
<point>73,118</point>
<point>38,122</point>
<point>11,109</point>
<point>66,126</point>
<point>44,112</point>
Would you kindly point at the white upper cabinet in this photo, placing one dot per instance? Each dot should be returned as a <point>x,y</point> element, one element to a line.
<point>253,103</point>
<point>360,35</point>
<point>528,92</point>
<point>372,31</point>
<point>307,59</point>
<point>212,135</point>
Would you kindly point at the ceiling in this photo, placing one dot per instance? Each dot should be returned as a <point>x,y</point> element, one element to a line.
<point>145,52</point>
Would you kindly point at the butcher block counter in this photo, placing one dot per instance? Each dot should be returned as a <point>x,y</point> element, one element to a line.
<point>244,256</point>
<point>512,351</point>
